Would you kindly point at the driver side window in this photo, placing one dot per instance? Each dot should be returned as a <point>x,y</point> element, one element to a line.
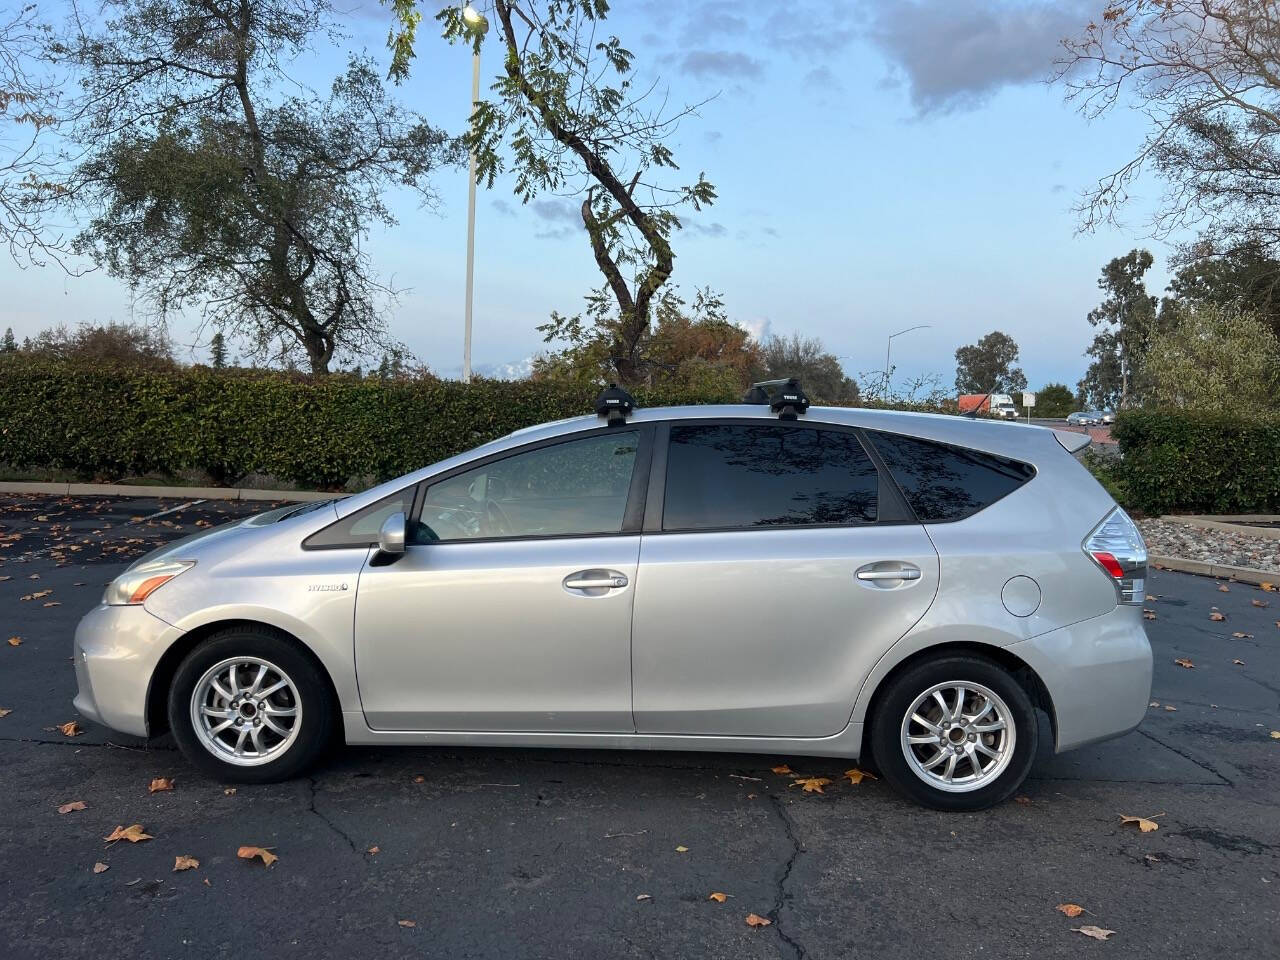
<point>578,487</point>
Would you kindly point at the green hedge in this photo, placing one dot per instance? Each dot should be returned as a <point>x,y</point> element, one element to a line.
<point>1199,462</point>
<point>105,422</point>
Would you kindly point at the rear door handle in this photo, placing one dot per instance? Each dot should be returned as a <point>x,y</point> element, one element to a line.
<point>595,580</point>
<point>903,571</point>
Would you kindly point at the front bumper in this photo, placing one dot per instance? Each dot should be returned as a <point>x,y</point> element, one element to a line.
<point>1097,673</point>
<point>116,652</point>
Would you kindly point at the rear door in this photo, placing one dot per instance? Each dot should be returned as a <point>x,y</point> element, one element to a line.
<point>775,568</point>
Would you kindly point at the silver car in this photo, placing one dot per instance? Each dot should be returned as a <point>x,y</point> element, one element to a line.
<point>903,590</point>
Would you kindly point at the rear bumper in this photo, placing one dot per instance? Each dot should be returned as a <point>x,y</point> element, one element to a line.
<point>1097,672</point>
<point>116,652</point>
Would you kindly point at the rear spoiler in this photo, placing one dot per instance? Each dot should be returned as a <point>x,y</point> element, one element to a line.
<point>1071,441</point>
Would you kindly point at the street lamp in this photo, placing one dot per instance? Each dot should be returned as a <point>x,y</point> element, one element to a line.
<point>480,25</point>
<point>884,394</point>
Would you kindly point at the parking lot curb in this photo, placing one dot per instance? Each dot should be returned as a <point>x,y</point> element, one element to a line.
<point>1223,571</point>
<point>188,493</point>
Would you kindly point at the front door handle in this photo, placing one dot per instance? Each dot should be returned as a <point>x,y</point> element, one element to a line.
<point>882,571</point>
<point>595,580</point>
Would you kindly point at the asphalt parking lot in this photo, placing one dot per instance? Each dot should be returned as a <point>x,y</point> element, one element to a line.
<point>523,853</point>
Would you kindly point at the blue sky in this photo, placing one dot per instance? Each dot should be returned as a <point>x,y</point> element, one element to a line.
<point>879,165</point>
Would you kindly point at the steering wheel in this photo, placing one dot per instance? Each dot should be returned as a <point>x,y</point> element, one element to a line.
<point>496,521</point>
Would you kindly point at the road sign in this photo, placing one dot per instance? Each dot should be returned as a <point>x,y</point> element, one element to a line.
<point>1028,399</point>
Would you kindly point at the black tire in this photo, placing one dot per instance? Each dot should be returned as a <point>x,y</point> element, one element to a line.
<point>900,694</point>
<point>316,719</point>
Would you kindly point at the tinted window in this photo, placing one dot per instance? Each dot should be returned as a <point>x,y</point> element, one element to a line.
<point>576,487</point>
<point>759,476</point>
<point>361,528</point>
<point>944,483</point>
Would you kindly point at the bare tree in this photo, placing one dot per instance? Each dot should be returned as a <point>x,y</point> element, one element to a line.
<point>1206,73</point>
<point>29,99</point>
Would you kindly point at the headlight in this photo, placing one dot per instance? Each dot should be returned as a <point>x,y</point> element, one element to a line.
<point>136,584</point>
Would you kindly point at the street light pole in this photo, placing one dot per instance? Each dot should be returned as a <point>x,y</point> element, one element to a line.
<point>884,393</point>
<point>479,24</point>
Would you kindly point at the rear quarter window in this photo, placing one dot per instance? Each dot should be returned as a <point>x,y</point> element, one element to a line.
<point>944,483</point>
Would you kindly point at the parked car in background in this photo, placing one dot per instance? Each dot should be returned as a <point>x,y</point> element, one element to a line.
<point>764,577</point>
<point>1107,416</point>
<point>1083,418</point>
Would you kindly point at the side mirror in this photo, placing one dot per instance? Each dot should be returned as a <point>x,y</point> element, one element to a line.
<point>392,534</point>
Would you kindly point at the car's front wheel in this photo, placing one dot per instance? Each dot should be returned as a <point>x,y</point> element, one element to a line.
<point>955,733</point>
<point>247,706</point>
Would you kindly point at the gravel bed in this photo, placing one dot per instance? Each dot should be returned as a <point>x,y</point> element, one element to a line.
<point>1171,539</point>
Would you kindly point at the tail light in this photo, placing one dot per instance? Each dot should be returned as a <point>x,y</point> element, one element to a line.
<point>1117,547</point>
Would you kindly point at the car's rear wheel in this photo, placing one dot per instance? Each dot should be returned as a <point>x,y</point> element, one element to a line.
<point>954,733</point>
<point>248,706</point>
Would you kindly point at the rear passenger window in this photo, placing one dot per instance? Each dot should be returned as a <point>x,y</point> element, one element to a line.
<point>944,483</point>
<point>767,475</point>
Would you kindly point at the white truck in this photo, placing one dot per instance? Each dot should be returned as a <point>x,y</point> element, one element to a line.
<point>1002,406</point>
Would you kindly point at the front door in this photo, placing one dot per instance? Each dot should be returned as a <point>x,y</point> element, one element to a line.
<point>511,609</point>
<point>772,583</point>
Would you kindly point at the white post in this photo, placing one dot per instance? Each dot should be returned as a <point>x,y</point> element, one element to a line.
<point>471,227</point>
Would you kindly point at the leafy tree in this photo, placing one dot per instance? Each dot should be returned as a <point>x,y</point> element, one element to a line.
<point>1215,358</point>
<point>213,179</point>
<point>127,343</point>
<point>1126,319</point>
<point>1053,400</point>
<point>8,345</point>
<point>1244,277</point>
<point>806,359</point>
<point>988,366</point>
<point>690,345</point>
<point>568,118</point>
<point>1205,76</point>
<point>218,351</point>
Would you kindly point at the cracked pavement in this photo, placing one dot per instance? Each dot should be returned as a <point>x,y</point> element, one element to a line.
<point>525,853</point>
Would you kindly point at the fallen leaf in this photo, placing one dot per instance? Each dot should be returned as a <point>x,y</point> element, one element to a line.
<point>230,791</point>
<point>1275,734</point>
<point>1171,708</point>
<point>1151,858</point>
<point>755,920</point>
<point>811,784</point>
<point>73,805</point>
<point>101,867</point>
<point>1096,932</point>
<point>1148,614</point>
<point>53,603</point>
<point>1238,662</point>
<point>184,862</point>
<point>1025,801</point>
<point>419,779</point>
<point>1145,824</point>
<point>1216,617</point>
<point>1150,598</point>
<point>1184,662</point>
<point>1072,910</point>
<point>1260,603</point>
<point>1241,635</point>
<point>856,776</point>
<point>248,853</point>
<point>782,768</point>
<point>643,896</point>
<point>159,784</point>
<point>1223,588</point>
<point>682,849</point>
<point>15,641</point>
<point>1154,703</point>
<point>4,712</point>
<point>71,729</point>
<point>1267,586</point>
<point>718,897</point>
<point>133,834</point>
<point>407,923</point>
<point>374,850</point>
